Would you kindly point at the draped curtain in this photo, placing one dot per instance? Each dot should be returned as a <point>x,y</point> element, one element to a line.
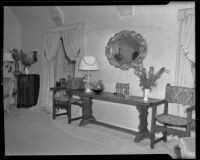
<point>50,46</point>
<point>185,75</point>
<point>71,42</point>
<point>54,45</point>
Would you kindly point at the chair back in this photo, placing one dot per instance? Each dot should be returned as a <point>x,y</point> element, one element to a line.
<point>180,95</point>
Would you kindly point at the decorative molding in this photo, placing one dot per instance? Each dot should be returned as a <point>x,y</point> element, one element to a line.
<point>64,27</point>
<point>56,15</point>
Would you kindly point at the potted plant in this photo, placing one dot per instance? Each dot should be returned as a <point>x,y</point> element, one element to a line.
<point>148,81</point>
<point>26,59</point>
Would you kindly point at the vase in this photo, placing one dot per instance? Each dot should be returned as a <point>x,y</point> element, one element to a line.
<point>20,66</point>
<point>146,94</point>
<point>26,70</point>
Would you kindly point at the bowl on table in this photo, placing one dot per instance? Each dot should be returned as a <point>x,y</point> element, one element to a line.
<point>97,91</point>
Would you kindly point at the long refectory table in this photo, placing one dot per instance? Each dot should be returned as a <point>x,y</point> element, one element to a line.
<point>136,101</point>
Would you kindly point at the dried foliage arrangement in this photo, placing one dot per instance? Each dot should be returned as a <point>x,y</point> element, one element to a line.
<point>27,59</point>
<point>148,81</point>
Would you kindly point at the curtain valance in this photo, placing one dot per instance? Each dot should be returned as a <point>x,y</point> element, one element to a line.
<point>71,40</point>
<point>183,13</point>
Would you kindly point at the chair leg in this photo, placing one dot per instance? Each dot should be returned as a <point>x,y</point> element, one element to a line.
<point>152,139</point>
<point>69,113</point>
<point>188,128</point>
<point>153,125</point>
<point>54,111</point>
<point>177,151</point>
<point>165,134</point>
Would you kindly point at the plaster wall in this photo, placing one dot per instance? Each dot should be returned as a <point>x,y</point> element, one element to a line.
<point>11,35</point>
<point>33,23</point>
<point>157,24</point>
<point>12,30</point>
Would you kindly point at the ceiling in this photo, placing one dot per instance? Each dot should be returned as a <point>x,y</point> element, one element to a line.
<point>28,13</point>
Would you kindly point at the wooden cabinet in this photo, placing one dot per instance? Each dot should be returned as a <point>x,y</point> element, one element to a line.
<point>27,90</point>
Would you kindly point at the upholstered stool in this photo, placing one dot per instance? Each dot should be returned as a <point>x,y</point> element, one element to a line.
<point>188,147</point>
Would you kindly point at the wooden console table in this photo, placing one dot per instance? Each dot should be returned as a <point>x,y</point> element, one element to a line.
<point>141,106</point>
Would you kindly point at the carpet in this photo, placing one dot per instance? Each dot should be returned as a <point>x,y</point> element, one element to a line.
<point>119,142</point>
<point>33,133</point>
<point>113,141</point>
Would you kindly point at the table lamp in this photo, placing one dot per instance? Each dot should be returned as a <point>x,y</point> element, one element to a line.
<point>7,57</point>
<point>8,63</point>
<point>88,63</point>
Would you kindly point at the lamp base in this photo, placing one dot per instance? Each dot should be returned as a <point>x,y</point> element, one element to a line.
<point>88,90</point>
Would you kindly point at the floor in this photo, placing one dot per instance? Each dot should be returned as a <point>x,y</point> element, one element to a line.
<point>33,132</point>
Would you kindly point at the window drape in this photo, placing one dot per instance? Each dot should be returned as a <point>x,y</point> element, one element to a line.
<point>52,64</point>
<point>48,63</point>
<point>51,41</point>
<point>184,72</point>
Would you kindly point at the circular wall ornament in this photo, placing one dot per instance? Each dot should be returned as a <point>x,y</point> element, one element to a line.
<point>126,49</point>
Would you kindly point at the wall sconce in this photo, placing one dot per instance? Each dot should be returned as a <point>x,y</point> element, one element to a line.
<point>8,62</point>
<point>88,63</point>
<point>126,10</point>
<point>7,57</point>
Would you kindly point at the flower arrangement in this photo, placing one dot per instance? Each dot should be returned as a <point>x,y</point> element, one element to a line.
<point>148,81</point>
<point>27,59</point>
<point>98,85</point>
<point>16,54</point>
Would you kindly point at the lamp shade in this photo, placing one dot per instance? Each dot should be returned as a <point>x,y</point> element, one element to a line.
<point>7,56</point>
<point>88,63</point>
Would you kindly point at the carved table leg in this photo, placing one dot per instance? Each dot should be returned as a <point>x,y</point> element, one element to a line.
<point>87,111</point>
<point>143,130</point>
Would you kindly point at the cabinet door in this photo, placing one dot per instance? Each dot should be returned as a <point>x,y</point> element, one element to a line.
<point>34,82</point>
<point>23,93</point>
<point>27,90</point>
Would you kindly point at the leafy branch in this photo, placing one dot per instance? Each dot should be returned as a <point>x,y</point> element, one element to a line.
<point>148,81</point>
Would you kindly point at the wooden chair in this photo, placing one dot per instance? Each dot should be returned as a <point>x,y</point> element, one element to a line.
<point>62,100</point>
<point>177,95</point>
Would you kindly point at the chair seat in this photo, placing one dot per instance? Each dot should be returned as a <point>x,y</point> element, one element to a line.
<point>75,100</point>
<point>62,99</point>
<point>61,96</point>
<point>172,120</point>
